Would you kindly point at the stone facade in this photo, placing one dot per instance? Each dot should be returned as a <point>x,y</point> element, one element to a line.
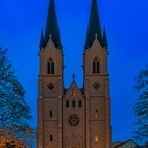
<point>74,118</point>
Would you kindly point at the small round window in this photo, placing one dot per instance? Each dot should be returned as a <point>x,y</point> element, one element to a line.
<point>50,86</point>
<point>74,120</point>
<point>96,86</point>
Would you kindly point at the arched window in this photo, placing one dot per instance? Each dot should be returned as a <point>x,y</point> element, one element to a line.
<point>97,113</point>
<point>80,103</point>
<point>73,103</point>
<point>96,65</point>
<point>51,137</point>
<point>97,138</point>
<point>50,113</point>
<point>50,66</point>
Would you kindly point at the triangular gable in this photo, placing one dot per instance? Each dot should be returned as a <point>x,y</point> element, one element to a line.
<point>50,45</point>
<point>73,89</point>
<point>96,44</point>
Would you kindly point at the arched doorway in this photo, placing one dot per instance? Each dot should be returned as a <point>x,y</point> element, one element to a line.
<point>75,146</point>
<point>73,142</point>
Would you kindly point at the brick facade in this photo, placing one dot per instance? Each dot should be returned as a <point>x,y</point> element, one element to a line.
<point>74,118</point>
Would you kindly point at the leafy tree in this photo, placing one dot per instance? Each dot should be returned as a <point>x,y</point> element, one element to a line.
<point>7,141</point>
<point>14,111</point>
<point>141,107</point>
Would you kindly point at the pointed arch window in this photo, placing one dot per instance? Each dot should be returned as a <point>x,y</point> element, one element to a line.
<point>73,103</point>
<point>50,113</point>
<point>50,66</point>
<point>97,113</point>
<point>80,103</point>
<point>51,137</point>
<point>97,138</point>
<point>96,65</point>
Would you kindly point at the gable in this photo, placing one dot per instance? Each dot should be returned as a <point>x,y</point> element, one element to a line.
<point>96,44</point>
<point>50,46</point>
<point>73,92</point>
<point>127,144</point>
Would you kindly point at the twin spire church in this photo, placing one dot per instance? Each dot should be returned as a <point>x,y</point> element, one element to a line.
<point>74,117</point>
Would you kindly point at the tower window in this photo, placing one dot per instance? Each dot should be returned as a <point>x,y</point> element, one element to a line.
<point>50,66</point>
<point>96,66</point>
<point>80,103</point>
<point>67,103</point>
<point>97,114</point>
<point>97,138</point>
<point>73,104</point>
<point>51,137</point>
<point>50,113</point>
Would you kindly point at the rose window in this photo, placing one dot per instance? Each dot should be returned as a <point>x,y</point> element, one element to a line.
<point>74,120</point>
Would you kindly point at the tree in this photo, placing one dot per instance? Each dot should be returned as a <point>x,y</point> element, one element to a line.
<point>7,141</point>
<point>141,107</point>
<point>14,111</point>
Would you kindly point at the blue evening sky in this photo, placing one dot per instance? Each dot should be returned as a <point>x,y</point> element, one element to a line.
<point>126,23</point>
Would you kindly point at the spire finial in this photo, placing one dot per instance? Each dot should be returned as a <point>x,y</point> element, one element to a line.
<point>73,76</point>
<point>105,44</point>
<point>96,35</point>
<point>42,40</point>
<point>50,36</point>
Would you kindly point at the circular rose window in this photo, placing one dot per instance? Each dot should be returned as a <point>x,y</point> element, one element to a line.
<point>73,120</point>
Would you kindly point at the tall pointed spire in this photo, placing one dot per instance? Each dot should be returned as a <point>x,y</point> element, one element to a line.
<point>52,26</point>
<point>94,26</point>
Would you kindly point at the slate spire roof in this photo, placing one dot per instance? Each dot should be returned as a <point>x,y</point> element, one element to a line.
<point>94,26</point>
<point>42,40</point>
<point>105,44</point>
<point>52,28</point>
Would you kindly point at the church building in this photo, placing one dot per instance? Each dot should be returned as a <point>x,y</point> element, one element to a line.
<point>74,117</point>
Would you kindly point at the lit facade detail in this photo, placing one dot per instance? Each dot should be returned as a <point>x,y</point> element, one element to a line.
<point>97,138</point>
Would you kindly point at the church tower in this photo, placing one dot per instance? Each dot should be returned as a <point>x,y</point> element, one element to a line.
<point>49,129</point>
<point>96,84</point>
<point>73,117</point>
